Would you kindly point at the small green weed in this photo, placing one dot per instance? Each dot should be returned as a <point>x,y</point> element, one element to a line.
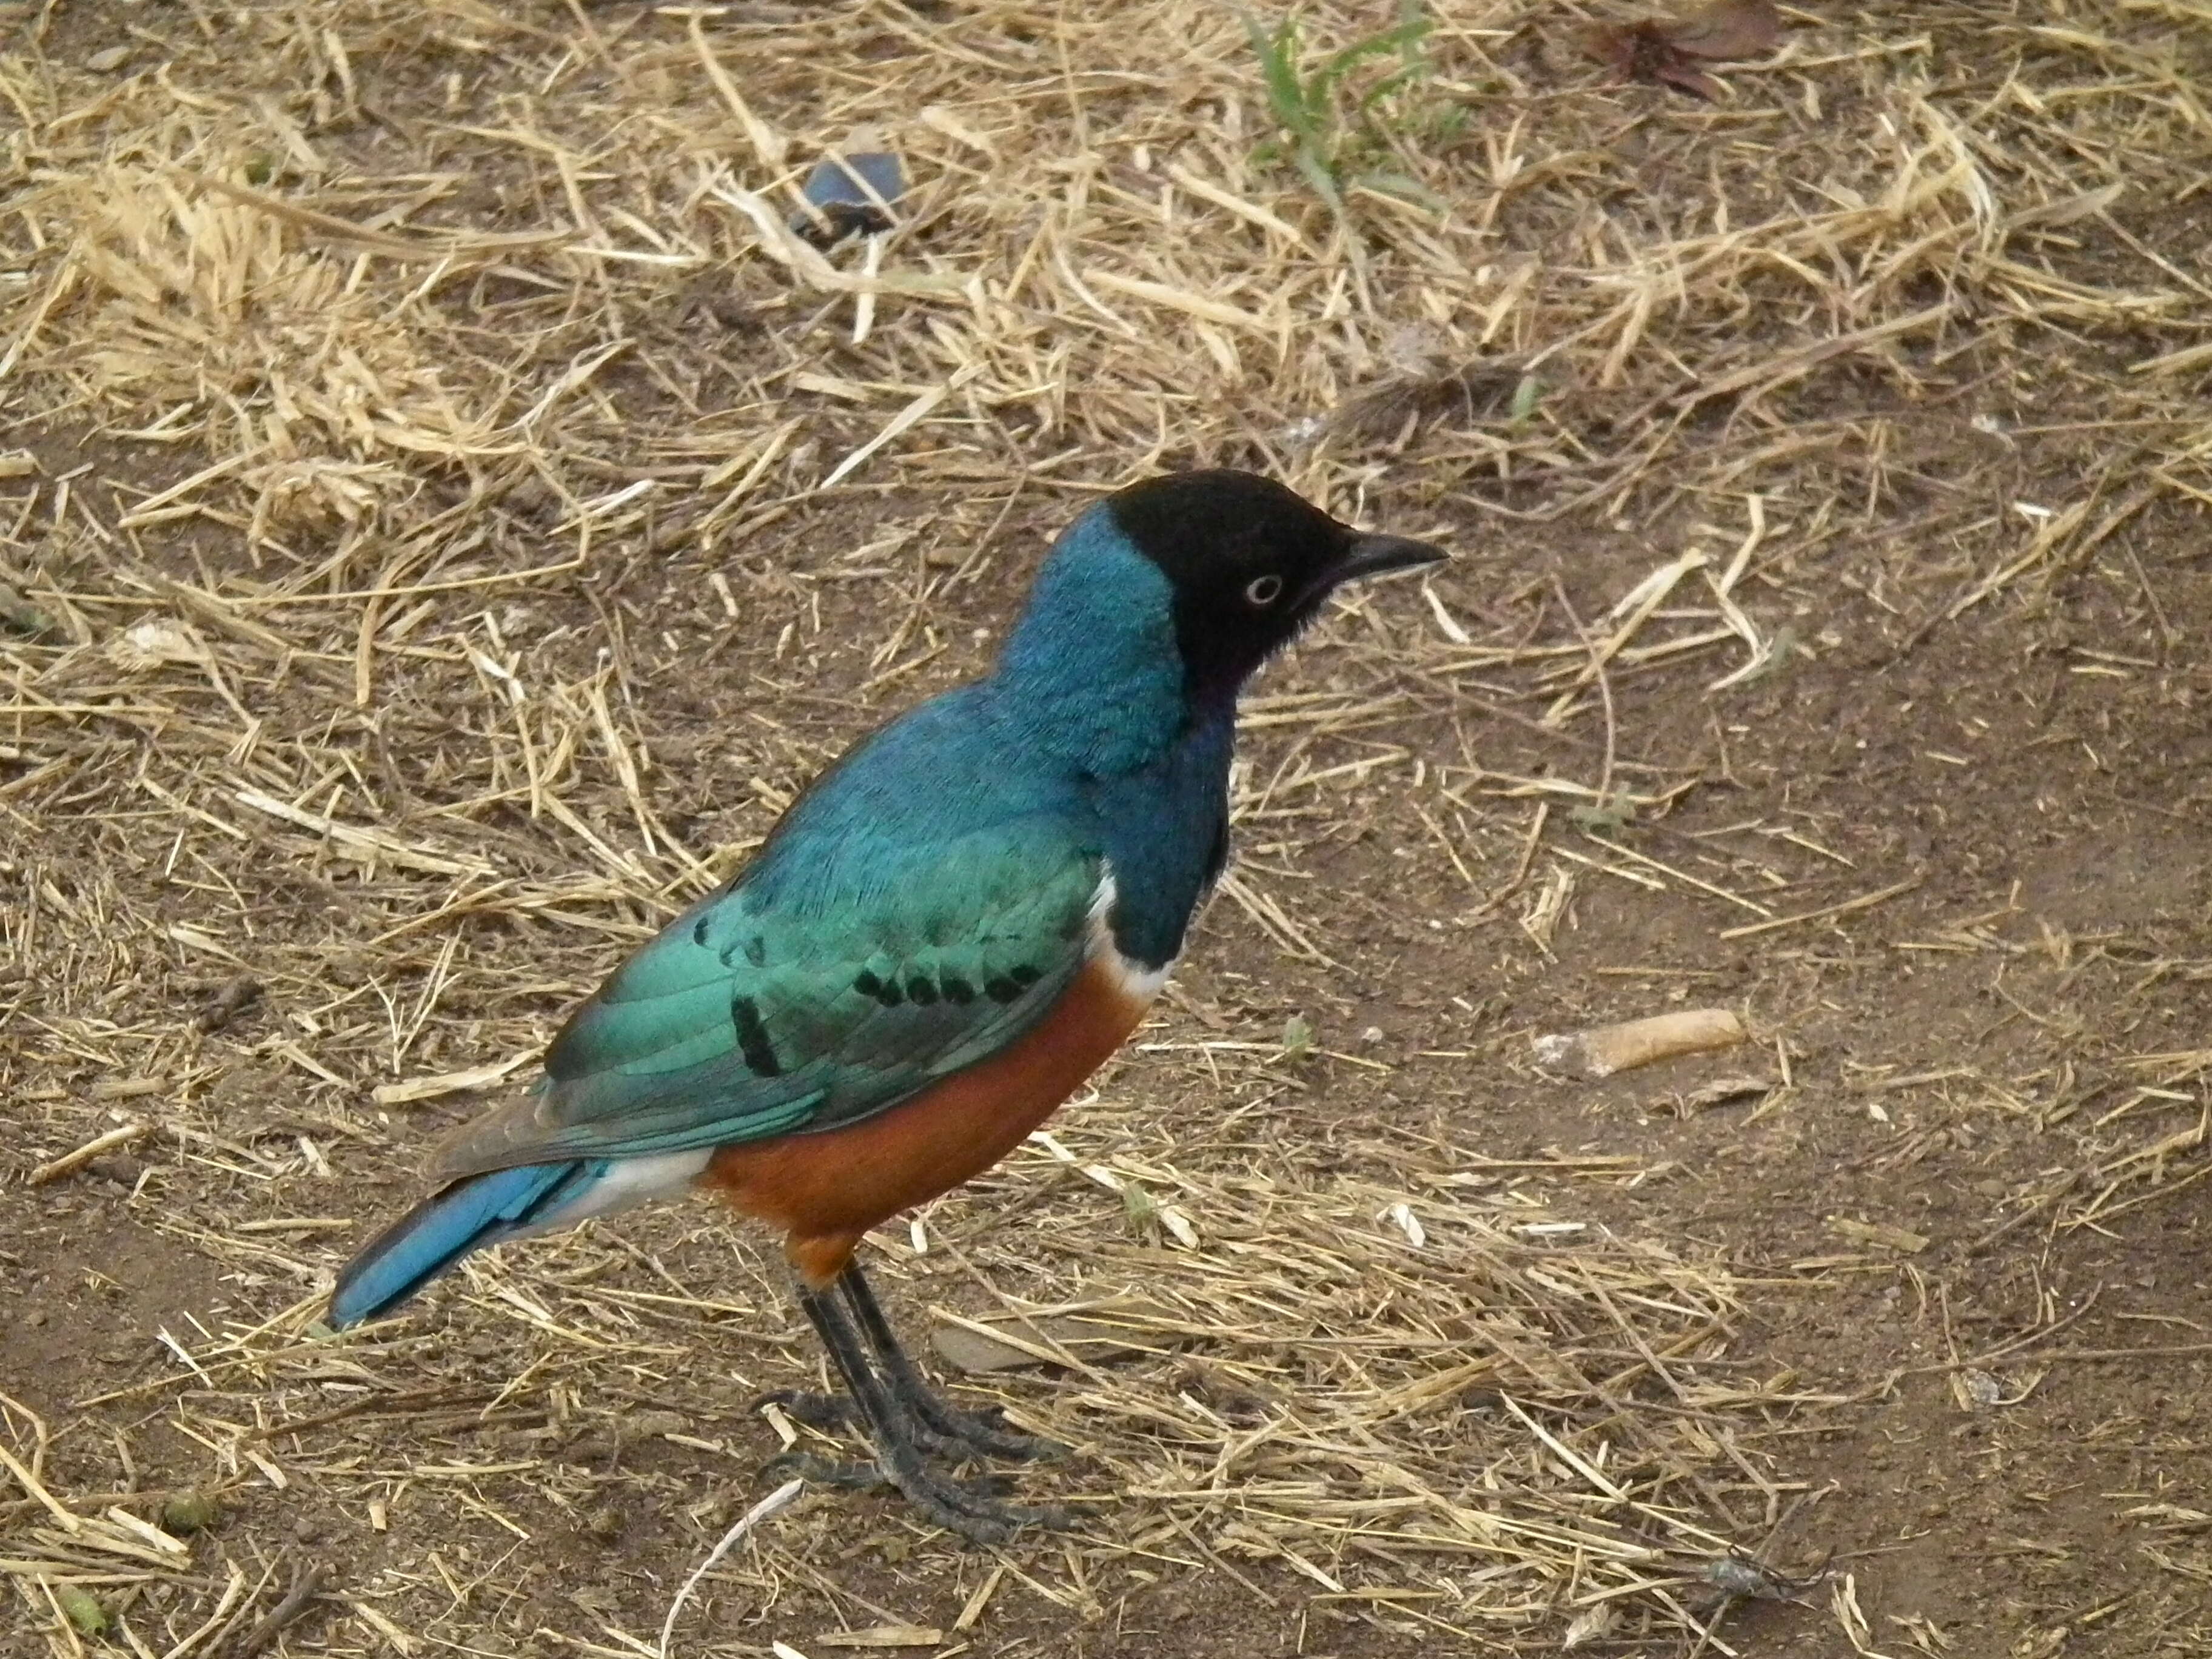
<point>1611,815</point>
<point>1140,1211</point>
<point>84,1610</point>
<point>1526,396</point>
<point>189,1512</point>
<point>1331,122</point>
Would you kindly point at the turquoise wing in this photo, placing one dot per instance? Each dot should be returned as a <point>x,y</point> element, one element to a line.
<point>778,1006</point>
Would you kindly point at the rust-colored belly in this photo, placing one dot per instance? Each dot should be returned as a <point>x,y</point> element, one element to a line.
<point>826,1190</point>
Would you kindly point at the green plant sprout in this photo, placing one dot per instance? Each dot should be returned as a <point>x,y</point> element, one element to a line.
<point>1331,130</point>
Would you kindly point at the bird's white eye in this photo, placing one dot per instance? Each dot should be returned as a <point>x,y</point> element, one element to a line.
<point>1264,590</point>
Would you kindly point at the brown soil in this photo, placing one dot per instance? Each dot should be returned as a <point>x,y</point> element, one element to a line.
<point>1962,1201</point>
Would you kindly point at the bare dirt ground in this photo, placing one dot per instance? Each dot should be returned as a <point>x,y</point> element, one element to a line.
<point>434,549</point>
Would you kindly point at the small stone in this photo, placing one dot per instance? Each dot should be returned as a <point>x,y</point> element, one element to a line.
<point>231,999</point>
<point>109,59</point>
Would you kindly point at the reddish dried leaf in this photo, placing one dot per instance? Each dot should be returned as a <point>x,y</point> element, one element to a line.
<point>1683,77</point>
<point>1613,45</point>
<point>1728,30</point>
<point>1644,51</point>
<point>1665,53</point>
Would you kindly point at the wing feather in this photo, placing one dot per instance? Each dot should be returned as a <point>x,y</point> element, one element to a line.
<point>774,1007</point>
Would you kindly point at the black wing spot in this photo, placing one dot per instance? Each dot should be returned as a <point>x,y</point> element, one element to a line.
<point>921,991</point>
<point>756,951</point>
<point>1008,985</point>
<point>867,984</point>
<point>752,1038</point>
<point>699,930</point>
<point>956,990</point>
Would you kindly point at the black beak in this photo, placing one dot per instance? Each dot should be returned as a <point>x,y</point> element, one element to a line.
<point>1373,555</point>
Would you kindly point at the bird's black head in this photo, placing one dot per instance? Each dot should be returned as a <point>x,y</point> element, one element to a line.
<point>1251,563</point>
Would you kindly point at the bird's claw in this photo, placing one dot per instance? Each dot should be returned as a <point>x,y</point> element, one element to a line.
<point>975,1510</point>
<point>940,1428</point>
<point>982,1434</point>
<point>847,1474</point>
<point>986,1431</point>
<point>972,1509</point>
<point>913,1431</point>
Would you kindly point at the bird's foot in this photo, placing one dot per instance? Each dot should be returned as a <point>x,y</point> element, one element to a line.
<point>847,1475</point>
<point>975,1510</point>
<point>939,1427</point>
<point>910,1428</point>
<point>982,1433</point>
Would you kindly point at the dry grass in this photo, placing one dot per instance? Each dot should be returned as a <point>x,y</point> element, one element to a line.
<point>421,405</point>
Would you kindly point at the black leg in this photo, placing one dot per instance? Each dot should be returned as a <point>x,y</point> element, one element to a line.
<point>979,1433</point>
<point>944,1429</point>
<point>899,1439</point>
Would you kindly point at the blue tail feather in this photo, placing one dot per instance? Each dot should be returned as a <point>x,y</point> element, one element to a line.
<point>465,1217</point>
